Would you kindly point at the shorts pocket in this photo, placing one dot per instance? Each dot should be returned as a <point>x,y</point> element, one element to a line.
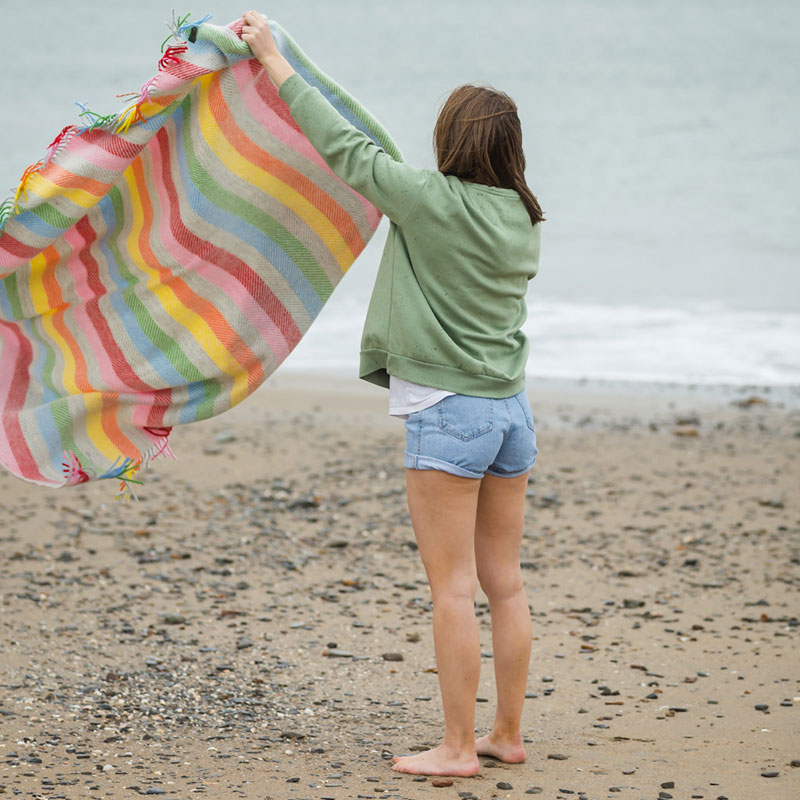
<point>525,405</point>
<point>465,418</point>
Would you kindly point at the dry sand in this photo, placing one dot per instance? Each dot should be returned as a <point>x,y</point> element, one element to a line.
<point>257,625</point>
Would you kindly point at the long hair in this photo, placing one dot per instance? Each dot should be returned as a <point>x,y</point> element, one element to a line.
<point>478,137</point>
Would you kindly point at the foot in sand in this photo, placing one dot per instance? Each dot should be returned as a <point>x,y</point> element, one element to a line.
<point>510,751</point>
<point>439,761</point>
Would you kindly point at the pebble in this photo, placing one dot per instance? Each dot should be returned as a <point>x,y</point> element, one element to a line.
<point>534,790</point>
<point>504,785</point>
<point>557,756</point>
<point>770,774</point>
<point>441,783</point>
<point>668,785</point>
<point>393,657</point>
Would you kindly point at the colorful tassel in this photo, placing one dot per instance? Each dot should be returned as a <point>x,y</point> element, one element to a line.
<point>170,57</point>
<point>62,139</point>
<point>22,191</point>
<point>7,209</point>
<point>73,471</point>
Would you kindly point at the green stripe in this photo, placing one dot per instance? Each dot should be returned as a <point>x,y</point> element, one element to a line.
<point>346,98</point>
<point>12,290</point>
<point>53,217</point>
<point>252,214</point>
<point>49,360</point>
<point>230,44</point>
<point>165,343</point>
<point>66,425</point>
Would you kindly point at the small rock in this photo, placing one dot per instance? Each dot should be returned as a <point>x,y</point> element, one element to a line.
<point>173,619</point>
<point>504,785</point>
<point>557,756</point>
<point>440,783</point>
<point>668,785</point>
<point>770,774</point>
<point>393,657</point>
<point>534,790</point>
<point>748,402</point>
<point>761,706</point>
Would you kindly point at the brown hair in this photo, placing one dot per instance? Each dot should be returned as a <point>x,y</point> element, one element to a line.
<point>478,137</point>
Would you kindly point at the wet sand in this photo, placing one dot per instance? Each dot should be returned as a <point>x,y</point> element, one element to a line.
<point>258,625</point>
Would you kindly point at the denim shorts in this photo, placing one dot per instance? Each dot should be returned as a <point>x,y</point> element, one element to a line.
<point>473,436</point>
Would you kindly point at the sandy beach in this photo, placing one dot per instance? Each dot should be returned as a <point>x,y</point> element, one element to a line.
<point>258,624</point>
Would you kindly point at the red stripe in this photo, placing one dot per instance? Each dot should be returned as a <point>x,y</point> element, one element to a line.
<point>206,251</point>
<point>16,248</point>
<point>119,363</point>
<point>230,340</point>
<point>17,392</point>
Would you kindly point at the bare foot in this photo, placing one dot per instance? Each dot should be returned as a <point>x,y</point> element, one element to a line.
<point>439,761</point>
<point>509,751</point>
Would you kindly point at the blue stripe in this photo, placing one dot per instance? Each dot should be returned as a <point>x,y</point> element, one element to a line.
<point>148,350</point>
<point>225,220</point>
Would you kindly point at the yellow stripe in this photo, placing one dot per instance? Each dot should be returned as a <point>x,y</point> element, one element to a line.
<point>68,374</point>
<point>47,190</point>
<point>94,426</point>
<point>194,323</point>
<point>38,294</point>
<point>269,184</point>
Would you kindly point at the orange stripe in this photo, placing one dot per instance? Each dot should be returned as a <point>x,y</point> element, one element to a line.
<point>230,340</point>
<point>303,185</point>
<point>108,420</point>
<point>81,376</point>
<point>51,285</point>
<point>62,177</point>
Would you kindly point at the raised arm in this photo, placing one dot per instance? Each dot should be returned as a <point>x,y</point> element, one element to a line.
<point>391,186</point>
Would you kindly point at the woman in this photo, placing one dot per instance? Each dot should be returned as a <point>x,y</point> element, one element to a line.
<point>443,333</point>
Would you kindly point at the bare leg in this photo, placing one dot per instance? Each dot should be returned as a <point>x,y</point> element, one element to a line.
<point>498,535</point>
<point>443,508</point>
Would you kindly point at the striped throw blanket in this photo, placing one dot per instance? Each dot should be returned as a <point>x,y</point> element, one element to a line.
<point>158,264</point>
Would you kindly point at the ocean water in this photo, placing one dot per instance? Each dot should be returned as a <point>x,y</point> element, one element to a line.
<point>663,141</point>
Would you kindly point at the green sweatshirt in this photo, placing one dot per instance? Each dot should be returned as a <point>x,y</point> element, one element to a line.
<point>449,297</point>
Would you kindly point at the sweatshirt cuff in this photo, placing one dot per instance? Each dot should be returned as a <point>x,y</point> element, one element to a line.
<point>292,87</point>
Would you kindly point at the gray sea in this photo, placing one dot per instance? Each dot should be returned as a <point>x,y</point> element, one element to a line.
<point>663,142</point>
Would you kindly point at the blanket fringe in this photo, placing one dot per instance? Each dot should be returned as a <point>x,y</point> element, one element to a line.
<point>119,123</point>
<point>123,469</point>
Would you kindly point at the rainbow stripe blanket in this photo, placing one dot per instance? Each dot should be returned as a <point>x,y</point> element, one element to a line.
<point>158,264</point>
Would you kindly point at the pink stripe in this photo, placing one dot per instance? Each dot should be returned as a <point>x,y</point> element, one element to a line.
<point>267,112</point>
<point>95,155</point>
<point>10,351</point>
<point>217,276</point>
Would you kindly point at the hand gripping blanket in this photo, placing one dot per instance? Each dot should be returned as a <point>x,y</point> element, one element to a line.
<point>158,264</point>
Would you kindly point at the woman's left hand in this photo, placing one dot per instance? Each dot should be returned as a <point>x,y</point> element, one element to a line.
<point>257,34</point>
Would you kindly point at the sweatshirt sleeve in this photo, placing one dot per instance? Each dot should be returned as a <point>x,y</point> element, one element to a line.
<point>391,186</point>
